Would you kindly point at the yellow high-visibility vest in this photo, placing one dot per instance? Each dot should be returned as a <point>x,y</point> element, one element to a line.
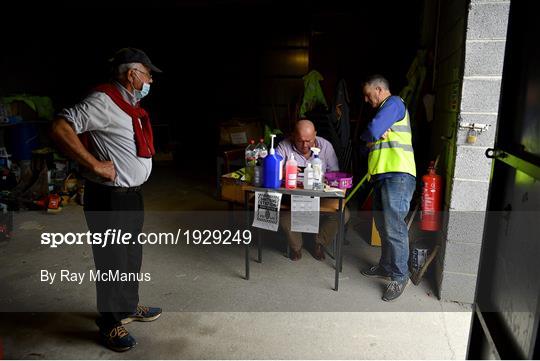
<point>395,153</point>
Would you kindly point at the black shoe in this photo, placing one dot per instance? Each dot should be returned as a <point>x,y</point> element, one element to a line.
<point>144,314</point>
<point>117,339</point>
<point>375,271</point>
<point>394,290</point>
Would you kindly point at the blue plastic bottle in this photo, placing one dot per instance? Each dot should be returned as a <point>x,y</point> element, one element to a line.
<point>272,168</point>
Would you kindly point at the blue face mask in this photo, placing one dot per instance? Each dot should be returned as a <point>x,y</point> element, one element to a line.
<point>139,94</point>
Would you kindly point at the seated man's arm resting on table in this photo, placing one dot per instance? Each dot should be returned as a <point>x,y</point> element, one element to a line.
<point>303,138</point>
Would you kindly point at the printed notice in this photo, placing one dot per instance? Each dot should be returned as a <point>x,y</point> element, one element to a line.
<point>239,138</point>
<point>267,206</point>
<point>305,214</point>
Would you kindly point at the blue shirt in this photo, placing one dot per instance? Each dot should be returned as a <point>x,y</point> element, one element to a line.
<point>391,111</point>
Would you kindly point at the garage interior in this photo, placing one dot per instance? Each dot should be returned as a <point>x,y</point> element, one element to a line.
<point>240,64</point>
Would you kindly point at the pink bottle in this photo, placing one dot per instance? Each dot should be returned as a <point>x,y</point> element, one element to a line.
<point>291,170</point>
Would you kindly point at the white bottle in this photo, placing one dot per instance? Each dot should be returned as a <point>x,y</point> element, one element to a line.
<point>308,176</point>
<point>318,173</point>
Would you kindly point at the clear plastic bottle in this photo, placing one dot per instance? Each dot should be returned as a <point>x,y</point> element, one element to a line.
<point>261,153</point>
<point>308,176</point>
<point>262,150</point>
<point>291,173</point>
<point>318,172</point>
<point>251,158</point>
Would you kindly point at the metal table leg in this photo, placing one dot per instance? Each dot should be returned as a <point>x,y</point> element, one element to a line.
<point>342,237</point>
<point>259,246</point>
<point>246,247</point>
<point>339,259</point>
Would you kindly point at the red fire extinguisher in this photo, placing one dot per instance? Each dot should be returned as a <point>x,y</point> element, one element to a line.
<point>431,200</point>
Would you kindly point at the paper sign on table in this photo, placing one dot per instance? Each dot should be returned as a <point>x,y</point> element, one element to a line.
<point>305,214</point>
<point>267,206</point>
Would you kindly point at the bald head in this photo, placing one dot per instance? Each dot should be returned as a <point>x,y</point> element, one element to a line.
<point>305,127</point>
<point>304,136</point>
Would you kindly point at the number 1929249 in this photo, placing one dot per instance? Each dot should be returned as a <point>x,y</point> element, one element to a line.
<point>217,237</point>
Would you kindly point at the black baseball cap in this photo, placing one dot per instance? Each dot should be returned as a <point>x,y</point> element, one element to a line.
<point>133,55</point>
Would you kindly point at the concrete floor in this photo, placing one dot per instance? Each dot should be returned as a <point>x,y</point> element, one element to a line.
<point>287,310</point>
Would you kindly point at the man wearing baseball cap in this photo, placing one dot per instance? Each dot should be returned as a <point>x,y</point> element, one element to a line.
<point>133,55</point>
<point>110,136</point>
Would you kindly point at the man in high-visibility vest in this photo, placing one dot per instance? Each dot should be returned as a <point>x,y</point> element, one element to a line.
<point>392,170</point>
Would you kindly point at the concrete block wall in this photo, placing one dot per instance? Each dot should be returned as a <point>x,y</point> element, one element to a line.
<point>448,82</point>
<point>484,45</point>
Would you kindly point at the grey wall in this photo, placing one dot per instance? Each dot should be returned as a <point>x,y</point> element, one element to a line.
<point>472,39</point>
<point>448,77</point>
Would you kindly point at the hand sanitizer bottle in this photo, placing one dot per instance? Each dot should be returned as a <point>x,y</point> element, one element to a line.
<point>291,172</point>
<point>318,172</point>
<point>308,176</point>
<point>272,168</point>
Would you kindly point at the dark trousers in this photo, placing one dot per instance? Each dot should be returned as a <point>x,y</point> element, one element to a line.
<point>106,208</point>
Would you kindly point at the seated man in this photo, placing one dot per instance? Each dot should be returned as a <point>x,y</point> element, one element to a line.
<point>300,143</point>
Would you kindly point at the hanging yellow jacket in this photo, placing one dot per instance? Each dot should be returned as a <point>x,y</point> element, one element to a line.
<point>395,153</point>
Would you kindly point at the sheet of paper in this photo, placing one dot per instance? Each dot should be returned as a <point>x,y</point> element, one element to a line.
<point>267,206</point>
<point>239,138</point>
<point>305,214</point>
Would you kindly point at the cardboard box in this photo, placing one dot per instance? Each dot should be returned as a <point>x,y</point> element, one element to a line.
<point>240,131</point>
<point>232,190</point>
